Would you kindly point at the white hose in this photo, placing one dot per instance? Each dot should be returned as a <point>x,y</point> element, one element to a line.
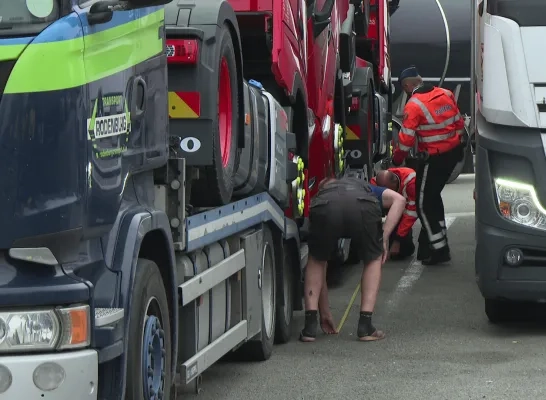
<point>448,40</point>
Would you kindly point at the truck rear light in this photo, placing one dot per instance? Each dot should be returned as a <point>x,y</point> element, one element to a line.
<point>355,104</point>
<point>182,51</point>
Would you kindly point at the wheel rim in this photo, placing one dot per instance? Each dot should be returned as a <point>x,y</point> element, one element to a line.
<point>268,290</point>
<point>153,352</point>
<point>225,112</point>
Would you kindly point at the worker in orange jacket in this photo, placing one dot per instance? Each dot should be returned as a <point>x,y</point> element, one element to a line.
<point>432,118</point>
<point>401,180</point>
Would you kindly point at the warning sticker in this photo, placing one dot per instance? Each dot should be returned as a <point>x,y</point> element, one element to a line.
<point>40,8</point>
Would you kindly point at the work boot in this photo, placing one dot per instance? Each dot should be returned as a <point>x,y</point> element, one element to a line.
<point>438,257</point>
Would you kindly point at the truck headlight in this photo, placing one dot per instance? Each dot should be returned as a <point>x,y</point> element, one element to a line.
<point>518,202</point>
<point>34,330</point>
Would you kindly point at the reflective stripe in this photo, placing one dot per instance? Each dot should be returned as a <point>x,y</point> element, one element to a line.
<point>441,125</point>
<point>409,178</point>
<point>439,245</point>
<point>403,147</point>
<point>407,131</point>
<point>410,203</point>
<point>442,224</point>
<point>424,109</point>
<point>436,138</point>
<point>405,185</point>
<point>411,213</point>
<point>435,237</point>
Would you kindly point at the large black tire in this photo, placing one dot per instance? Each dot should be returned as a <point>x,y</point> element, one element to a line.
<point>261,348</point>
<point>285,311</point>
<point>149,305</point>
<point>460,165</point>
<point>501,311</point>
<point>215,184</point>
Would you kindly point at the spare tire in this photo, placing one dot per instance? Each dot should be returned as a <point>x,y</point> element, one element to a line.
<point>215,184</point>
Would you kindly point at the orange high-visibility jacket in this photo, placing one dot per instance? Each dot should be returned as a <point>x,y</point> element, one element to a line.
<point>432,117</point>
<point>406,189</point>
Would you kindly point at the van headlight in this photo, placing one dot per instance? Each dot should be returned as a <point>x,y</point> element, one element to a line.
<point>49,329</point>
<point>518,202</point>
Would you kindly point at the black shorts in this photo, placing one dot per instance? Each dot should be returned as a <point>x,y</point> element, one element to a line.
<point>333,217</point>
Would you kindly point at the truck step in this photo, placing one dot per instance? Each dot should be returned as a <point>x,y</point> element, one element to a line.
<point>205,358</point>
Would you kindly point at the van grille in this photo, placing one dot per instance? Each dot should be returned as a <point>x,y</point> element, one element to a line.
<point>5,71</point>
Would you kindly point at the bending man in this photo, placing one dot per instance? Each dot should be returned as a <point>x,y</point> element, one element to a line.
<point>348,208</point>
<point>401,180</point>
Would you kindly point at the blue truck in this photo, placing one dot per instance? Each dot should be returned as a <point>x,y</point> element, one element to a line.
<point>112,285</point>
<point>152,196</point>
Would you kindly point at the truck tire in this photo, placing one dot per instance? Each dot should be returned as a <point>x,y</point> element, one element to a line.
<point>261,347</point>
<point>215,184</point>
<point>150,345</point>
<point>501,311</point>
<point>285,311</point>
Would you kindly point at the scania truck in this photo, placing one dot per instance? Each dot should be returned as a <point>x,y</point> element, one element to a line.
<point>510,121</point>
<point>157,170</point>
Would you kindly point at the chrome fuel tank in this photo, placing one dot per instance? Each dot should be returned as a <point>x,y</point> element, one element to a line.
<point>435,36</point>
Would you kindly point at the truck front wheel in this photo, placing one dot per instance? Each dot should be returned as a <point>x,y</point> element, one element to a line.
<point>149,356</point>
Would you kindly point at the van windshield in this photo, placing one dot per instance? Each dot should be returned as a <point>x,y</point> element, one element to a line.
<point>26,17</point>
<point>524,12</point>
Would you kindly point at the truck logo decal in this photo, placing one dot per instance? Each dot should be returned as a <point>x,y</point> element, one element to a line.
<point>116,124</point>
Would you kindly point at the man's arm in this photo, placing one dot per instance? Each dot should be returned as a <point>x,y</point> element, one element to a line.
<point>409,216</point>
<point>406,136</point>
<point>396,203</point>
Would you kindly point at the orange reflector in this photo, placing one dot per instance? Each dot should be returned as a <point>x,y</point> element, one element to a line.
<point>247,119</point>
<point>504,209</point>
<point>80,326</point>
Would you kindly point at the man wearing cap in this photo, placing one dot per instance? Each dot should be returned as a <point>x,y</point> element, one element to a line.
<point>432,118</point>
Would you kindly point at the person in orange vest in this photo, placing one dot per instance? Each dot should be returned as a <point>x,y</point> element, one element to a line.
<point>401,180</point>
<point>432,118</point>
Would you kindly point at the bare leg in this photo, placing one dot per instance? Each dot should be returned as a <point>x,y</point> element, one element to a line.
<point>371,278</point>
<point>326,319</point>
<point>315,275</point>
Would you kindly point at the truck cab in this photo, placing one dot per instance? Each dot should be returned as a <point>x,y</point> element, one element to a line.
<point>509,120</point>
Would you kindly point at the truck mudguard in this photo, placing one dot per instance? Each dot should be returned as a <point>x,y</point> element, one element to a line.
<point>204,23</point>
<point>124,245</point>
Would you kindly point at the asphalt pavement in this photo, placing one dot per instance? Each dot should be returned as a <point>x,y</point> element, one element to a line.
<point>439,343</point>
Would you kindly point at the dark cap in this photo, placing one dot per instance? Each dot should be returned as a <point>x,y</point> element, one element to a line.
<point>410,72</point>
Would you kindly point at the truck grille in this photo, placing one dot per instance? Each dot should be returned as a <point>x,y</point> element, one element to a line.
<point>5,71</point>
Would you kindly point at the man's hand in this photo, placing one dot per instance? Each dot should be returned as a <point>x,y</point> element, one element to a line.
<point>385,250</point>
<point>395,248</point>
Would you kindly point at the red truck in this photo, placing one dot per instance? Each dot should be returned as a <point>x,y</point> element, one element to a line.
<point>264,96</point>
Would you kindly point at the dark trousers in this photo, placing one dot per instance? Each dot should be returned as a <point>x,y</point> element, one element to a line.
<point>432,176</point>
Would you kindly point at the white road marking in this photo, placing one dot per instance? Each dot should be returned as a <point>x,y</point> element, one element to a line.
<point>460,214</point>
<point>412,274</point>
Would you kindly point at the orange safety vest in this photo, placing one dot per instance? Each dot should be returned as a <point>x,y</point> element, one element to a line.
<point>433,118</point>
<point>406,189</point>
